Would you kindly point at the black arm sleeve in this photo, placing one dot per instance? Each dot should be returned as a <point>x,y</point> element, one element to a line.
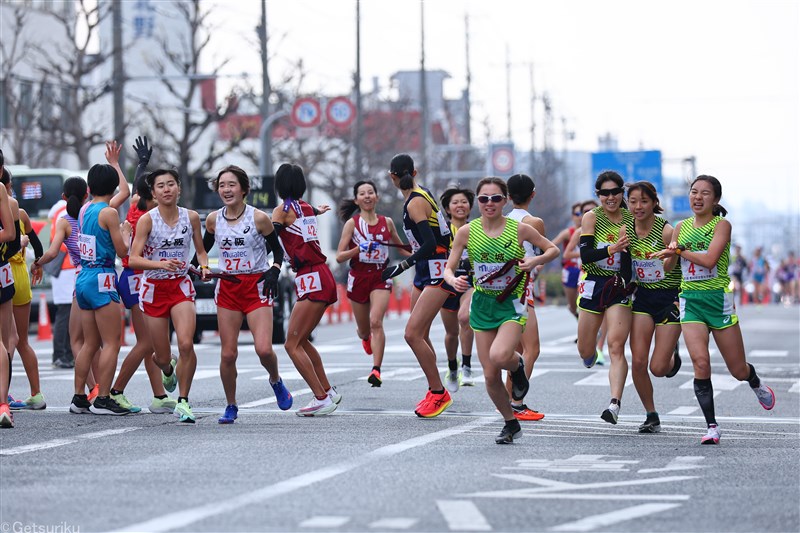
<point>427,246</point>
<point>626,266</point>
<point>278,227</point>
<point>208,244</point>
<point>12,247</point>
<point>590,254</point>
<point>274,246</point>
<point>141,170</point>
<point>36,244</point>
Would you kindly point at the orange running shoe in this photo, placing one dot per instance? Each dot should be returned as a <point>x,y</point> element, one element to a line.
<point>523,412</point>
<point>434,404</point>
<point>374,378</point>
<point>93,393</point>
<point>367,345</point>
<point>6,418</point>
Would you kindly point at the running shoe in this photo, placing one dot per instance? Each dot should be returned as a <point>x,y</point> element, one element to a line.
<point>184,412</point>
<point>519,382</point>
<point>452,380</point>
<point>652,424</point>
<point>162,406</point>
<point>523,412</point>
<point>107,406</point>
<point>334,395</point>
<point>6,418</point>
<point>282,395</point>
<point>123,402</point>
<point>367,345</point>
<point>231,414</point>
<point>318,407</point>
<point>712,436</point>
<point>511,430</point>
<point>34,403</point>
<point>60,363</point>
<point>591,361</point>
<point>601,359</point>
<point>676,365</point>
<point>171,381</point>
<point>434,405</point>
<point>374,378</point>
<point>93,393</point>
<point>424,400</point>
<point>466,377</point>
<point>80,405</point>
<point>765,397</point>
<point>611,414</point>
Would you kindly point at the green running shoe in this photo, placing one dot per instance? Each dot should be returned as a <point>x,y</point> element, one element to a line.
<point>35,403</point>
<point>171,381</point>
<point>123,402</point>
<point>184,412</point>
<point>162,406</point>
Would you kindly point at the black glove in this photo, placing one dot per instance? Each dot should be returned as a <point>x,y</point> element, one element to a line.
<point>142,150</point>
<point>395,270</point>
<point>270,279</point>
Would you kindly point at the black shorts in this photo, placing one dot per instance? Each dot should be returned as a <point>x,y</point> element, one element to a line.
<point>597,293</point>
<point>660,304</point>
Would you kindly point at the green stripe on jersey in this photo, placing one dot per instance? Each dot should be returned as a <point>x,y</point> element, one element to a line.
<point>696,277</point>
<point>489,253</point>
<point>649,272</point>
<point>606,233</point>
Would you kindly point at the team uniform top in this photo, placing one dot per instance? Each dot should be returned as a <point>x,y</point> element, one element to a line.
<point>440,227</point>
<point>19,257</point>
<point>519,215</point>
<point>574,262</point>
<point>374,260</point>
<point>299,240</point>
<point>242,248</point>
<point>487,254</point>
<point>134,214</point>
<point>94,243</point>
<point>71,242</point>
<point>696,277</point>
<point>168,242</point>
<point>649,271</point>
<point>605,234</point>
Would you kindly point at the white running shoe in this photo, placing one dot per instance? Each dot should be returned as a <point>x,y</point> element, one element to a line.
<point>712,437</point>
<point>317,407</point>
<point>466,377</point>
<point>452,380</point>
<point>334,395</point>
<point>765,396</point>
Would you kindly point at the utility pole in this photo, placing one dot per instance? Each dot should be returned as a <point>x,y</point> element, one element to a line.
<point>423,92</point>
<point>532,156</point>
<point>119,79</point>
<point>266,92</point>
<point>467,98</point>
<point>508,91</point>
<point>357,81</point>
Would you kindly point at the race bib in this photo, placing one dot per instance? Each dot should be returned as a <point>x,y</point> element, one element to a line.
<point>308,283</point>
<point>444,227</point>
<point>586,289</point>
<point>351,279</point>
<point>308,227</point>
<point>376,256</point>
<point>236,260</point>
<point>694,272</point>
<point>106,282</point>
<point>609,263</point>
<point>648,270</point>
<point>436,267</point>
<point>187,287</point>
<point>6,277</point>
<point>497,284</point>
<point>146,292</point>
<point>134,283</point>
<point>87,246</point>
<point>411,240</point>
<point>264,299</point>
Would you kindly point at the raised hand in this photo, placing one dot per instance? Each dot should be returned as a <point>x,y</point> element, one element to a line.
<point>143,150</point>
<point>112,152</point>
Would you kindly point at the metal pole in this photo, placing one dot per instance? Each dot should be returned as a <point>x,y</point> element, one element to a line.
<point>423,93</point>
<point>265,166</point>
<point>119,79</point>
<point>357,81</point>
<point>508,91</point>
<point>266,126</point>
<point>467,97</point>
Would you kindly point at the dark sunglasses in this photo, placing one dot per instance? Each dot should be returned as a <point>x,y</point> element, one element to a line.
<point>610,192</point>
<point>577,213</point>
<point>496,198</point>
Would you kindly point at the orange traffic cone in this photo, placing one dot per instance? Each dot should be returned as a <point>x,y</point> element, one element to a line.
<point>45,330</point>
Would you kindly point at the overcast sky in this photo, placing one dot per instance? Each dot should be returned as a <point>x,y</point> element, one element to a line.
<point>714,79</point>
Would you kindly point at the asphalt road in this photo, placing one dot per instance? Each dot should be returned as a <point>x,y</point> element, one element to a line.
<point>374,466</point>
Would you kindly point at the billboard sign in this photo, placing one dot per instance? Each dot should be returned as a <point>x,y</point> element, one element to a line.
<point>501,159</point>
<point>632,166</point>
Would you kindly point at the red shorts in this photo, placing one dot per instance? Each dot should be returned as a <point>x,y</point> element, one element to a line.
<point>244,297</point>
<point>158,296</point>
<point>315,283</point>
<point>360,284</point>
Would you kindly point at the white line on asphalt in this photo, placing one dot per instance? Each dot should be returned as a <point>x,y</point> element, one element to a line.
<point>192,515</point>
<point>685,410</point>
<point>768,353</point>
<point>462,515</point>
<point>393,523</point>
<point>271,399</point>
<point>614,517</point>
<point>63,442</point>
<point>324,522</point>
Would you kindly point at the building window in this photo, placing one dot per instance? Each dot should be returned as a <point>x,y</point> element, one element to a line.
<point>143,26</point>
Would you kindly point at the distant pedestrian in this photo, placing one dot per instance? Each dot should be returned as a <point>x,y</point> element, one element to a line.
<point>62,288</point>
<point>570,267</point>
<point>760,271</point>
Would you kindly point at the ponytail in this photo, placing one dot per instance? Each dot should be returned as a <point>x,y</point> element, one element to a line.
<point>347,206</point>
<point>75,190</point>
<point>406,182</point>
<point>402,166</point>
<point>719,211</point>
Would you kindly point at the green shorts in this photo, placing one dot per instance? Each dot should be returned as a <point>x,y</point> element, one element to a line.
<point>486,314</point>
<point>714,308</point>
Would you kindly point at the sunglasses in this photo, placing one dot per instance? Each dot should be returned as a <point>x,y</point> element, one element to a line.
<point>610,192</point>
<point>577,213</point>
<point>495,198</point>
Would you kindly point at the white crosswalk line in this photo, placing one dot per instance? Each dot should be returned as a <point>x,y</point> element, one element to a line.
<point>462,515</point>
<point>394,523</point>
<point>614,517</point>
<point>321,522</point>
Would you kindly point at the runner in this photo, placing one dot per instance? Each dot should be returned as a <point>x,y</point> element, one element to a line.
<point>7,233</point>
<point>570,267</point>
<point>493,241</point>
<point>706,303</point>
<point>604,292</point>
<point>128,286</point>
<point>360,243</point>
<point>243,234</point>
<point>430,238</point>
<point>100,241</point>
<point>296,224</point>
<point>521,191</point>
<point>457,204</point>
<point>655,303</point>
<point>161,247</point>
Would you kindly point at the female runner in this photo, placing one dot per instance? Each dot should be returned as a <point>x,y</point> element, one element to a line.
<point>7,232</point>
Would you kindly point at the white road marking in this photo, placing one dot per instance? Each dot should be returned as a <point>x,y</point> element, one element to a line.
<point>795,387</point>
<point>547,491</point>
<point>271,399</point>
<point>685,410</point>
<point>768,353</point>
<point>293,375</point>
<point>614,517</point>
<point>462,515</point>
<point>55,443</point>
<point>192,515</point>
<point>599,378</point>
<point>682,462</point>
<point>720,382</point>
<point>322,522</point>
<point>394,523</point>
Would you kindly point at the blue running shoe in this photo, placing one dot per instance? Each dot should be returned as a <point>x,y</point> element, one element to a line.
<point>231,414</point>
<point>283,396</point>
<point>590,362</point>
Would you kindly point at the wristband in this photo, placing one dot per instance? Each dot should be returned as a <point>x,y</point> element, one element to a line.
<point>680,248</point>
<point>205,267</point>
